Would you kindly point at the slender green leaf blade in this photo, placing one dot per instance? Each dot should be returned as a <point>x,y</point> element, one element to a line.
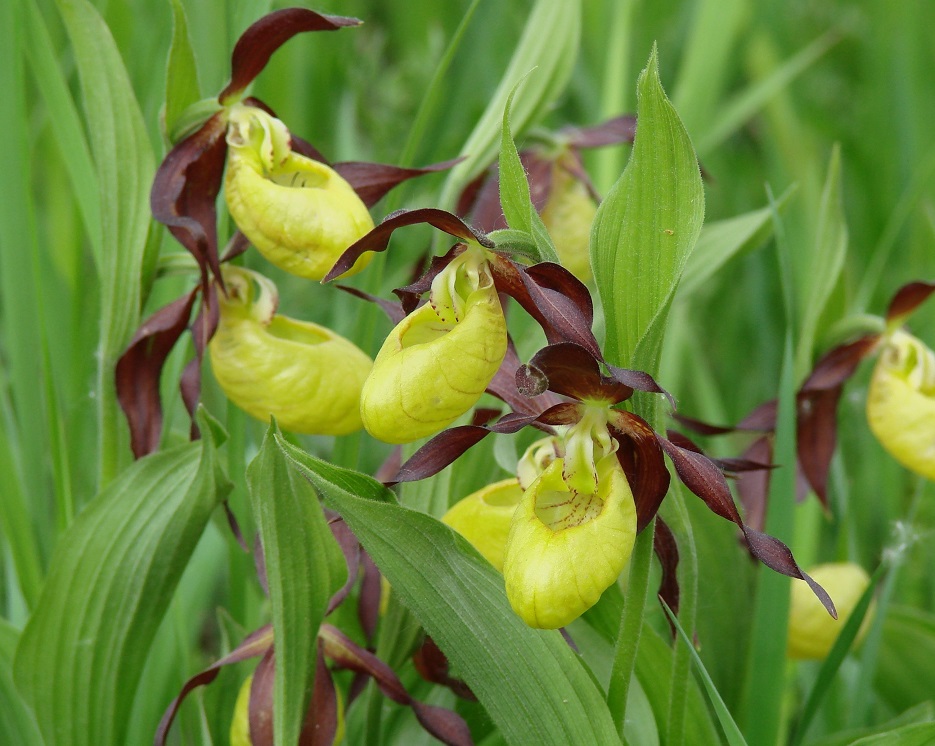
<point>112,577</point>
<point>304,566</point>
<point>530,681</point>
<point>645,229</point>
<point>182,87</point>
<point>917,734</point>
<point>17,724</point>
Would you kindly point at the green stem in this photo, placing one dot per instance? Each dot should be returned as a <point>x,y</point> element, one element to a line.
<point>631,625</point>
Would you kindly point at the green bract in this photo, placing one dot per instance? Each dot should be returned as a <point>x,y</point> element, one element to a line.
<point>484,517</point>
<point>304,375</point>
<point>901,402</point>
<point>436,363</point>
<point>299,213</point>
<point>566,548</point>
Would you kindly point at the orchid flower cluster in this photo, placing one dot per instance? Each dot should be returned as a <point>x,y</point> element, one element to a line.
<point>563,529</point>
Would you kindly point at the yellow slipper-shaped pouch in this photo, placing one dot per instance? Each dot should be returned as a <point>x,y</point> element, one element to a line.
<point>567,215</point>
<point>484,517</point>
<point>901,403</point>
<point>431,369</point>
<point>566,548</point>
<point>304,375</point>
<point>299,213</point>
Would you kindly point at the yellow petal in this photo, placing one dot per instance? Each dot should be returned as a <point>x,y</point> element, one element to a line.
<point>299,213</point>
<point>565,549</point>
<point>901,403</point>
<point>483,518</point>
<point>240,723</point>
<point>812,631</point>
<point>305,375</point>
<point>568,214</point>
<point>429,372</point>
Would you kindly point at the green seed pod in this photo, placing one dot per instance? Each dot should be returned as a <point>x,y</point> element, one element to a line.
<point>304,375</point>
<point>812,631</point>
<point>901,403</point>
<point>430,371</point>
<point>566,548</point>
<point>484,517</point>
<point>568,214</point>
<point>299,213</point>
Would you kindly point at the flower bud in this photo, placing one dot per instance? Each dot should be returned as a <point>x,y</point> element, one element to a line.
<point>566,548</point>
<point>484,517</point>
<point>304,375</point>
<point>901,402</point>
<point>436,363</point>
<point>568,214</point>
<point>812,631</point>
<point>299,213</point>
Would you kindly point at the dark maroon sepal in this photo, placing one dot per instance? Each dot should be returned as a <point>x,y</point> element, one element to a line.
<point>185,191</point>
<point>753,486</point>
<point>379,238</point>
<point>432,665</point>
<point>372,181</point>
<point>203,329</point>
<point>258,43</point>
<point>702,476</point>
<point>351,550</point>
<point>552,296</point>
<point>638,380</point>
<point>257,643</point>
<point>139,369</point>
<point>445,725</point>
<point>640,456</point>
<point>411,294</point>
<point>393,309</point>
<point>371,592</point>
<point>667,550</point>
<point>907,299</point>
<point>612,132</point>
<point>570,370</point>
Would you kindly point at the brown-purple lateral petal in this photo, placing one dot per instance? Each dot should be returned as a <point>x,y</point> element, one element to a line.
<point>445,725</point>
<point>704,479</point>
<point>433,666</point>
<point>185,190</point>
<point>762,418</point>
<point>700,426</point>
<point>256,643</point>
<point>393,309</point>
<point>372,181</point>
<point>907,299</point>
<point>640,457</point>
<point>260,709</point>
<point>257,44</point>
<point>816,436</point>
<point>321,719</point>
<point>753,486</point>
<point>379,238</point>
<point>571,370</point>
<point>667,550</point>
<point>371,591</point>
<point>234,526</point>
<point>139,369</point>
<point>638,380</point>
<point>351,550</point>
<point>555,277</point>
<point>839,364</point>
<point>614,131</point>
<point>203,329</point>
<point>411,294</point>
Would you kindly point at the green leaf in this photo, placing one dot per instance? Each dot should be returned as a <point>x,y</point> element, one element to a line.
<point>826,261</point>
<point>905,673</point>
<point>722,240</point>
<point>304,566</point>
<point>530,682</point>
<point>549,43</point>
<point>17,724</point>
<point>731,731</point>
<point>917,734</point>
<point>182,87</point>
<point>112,576</point>
<point>124,161</point>
<point>518,209</point>
<point>645,229</point>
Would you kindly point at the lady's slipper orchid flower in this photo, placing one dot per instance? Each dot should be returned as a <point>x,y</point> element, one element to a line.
<point>568,213</point>
<point>901,402</point>
<point>812,632</point>
<point>436,363</point>
<point>484,518</point>
<point>304,375</point>
<point>299,213</point>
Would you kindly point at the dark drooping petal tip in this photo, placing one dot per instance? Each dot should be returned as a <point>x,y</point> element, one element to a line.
<point>258,43</point>
<point>372,181</point>
<point>907,299</point>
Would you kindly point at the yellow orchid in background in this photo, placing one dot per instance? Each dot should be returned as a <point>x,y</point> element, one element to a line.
<point>812,632</point>
<point>436,363</point>
<point>304,375</point>
<point>484,518</point>
<point>568,214</point>
<point>901,402</point>
<point>299,213</point>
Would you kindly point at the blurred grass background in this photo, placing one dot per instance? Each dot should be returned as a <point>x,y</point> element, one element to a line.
<point>765,89</point>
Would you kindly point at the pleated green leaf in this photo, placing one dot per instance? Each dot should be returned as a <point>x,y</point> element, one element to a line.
<point>530,682</point>
<point>304,566</point>
<point>112,576</point>
<point>17,724</point>
<point>645,229</point>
